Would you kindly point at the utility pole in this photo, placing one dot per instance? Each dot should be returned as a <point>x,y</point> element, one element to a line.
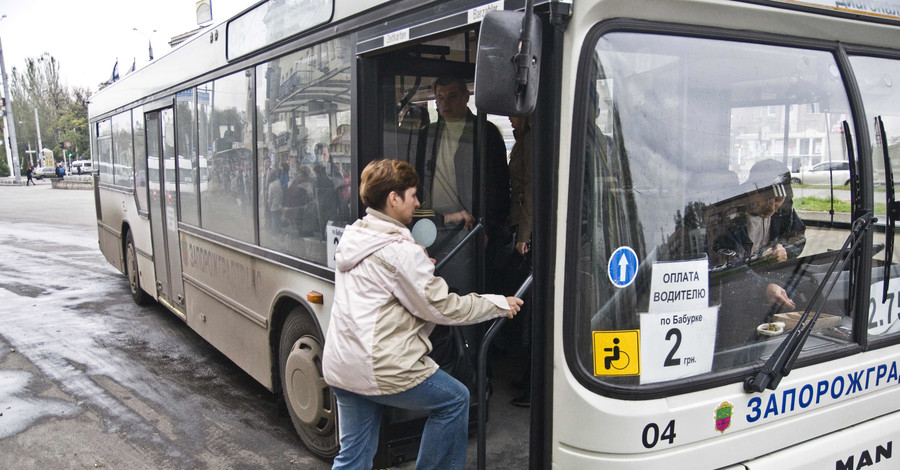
<point>9,124</point>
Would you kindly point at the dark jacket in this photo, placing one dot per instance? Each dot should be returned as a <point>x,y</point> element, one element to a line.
<point>520,210</point>
<point>785,228</point>
<point>497,172</point>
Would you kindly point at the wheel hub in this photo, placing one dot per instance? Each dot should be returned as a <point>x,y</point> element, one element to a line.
<point>308,394</point>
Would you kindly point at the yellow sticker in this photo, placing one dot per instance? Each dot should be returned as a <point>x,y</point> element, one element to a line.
<point>617,352</point>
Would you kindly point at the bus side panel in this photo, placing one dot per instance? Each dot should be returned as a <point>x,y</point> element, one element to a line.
<point>110,241</point>
<point>140,230</point>
<point>231,328</point>
<point>230,296</point>
<point>114,205</point>
<point>869,444</point>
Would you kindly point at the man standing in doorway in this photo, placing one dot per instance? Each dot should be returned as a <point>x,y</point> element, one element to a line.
<point>447,165</point>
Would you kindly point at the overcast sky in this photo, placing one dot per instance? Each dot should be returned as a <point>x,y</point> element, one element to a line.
<point>87,36</point>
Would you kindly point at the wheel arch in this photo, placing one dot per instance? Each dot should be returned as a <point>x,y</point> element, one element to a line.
<point>123,241</point>
<point>285,302</point>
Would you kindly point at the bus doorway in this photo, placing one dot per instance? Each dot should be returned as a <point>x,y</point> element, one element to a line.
<point>404,90</point>
<point>163,207</point>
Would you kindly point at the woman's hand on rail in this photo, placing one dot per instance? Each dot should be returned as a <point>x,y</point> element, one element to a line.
<point>515,304</point>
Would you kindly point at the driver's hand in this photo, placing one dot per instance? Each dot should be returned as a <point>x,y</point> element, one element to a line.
<point>777,252</point>
<point>776,295</point>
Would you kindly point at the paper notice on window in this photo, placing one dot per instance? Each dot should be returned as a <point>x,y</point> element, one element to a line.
<point>679,286</point>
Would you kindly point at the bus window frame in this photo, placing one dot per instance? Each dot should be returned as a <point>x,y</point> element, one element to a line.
<point>872,342</point>
<point>862,277</point>
<point>137,112</point>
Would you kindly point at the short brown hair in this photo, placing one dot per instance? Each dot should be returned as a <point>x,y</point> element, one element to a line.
<point>380,177</point>
<point>459,83</point>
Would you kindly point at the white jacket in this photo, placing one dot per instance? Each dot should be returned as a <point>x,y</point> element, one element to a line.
<point>386,302</point>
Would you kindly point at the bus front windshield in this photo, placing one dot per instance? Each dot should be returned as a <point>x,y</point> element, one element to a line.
<point>702,236</point>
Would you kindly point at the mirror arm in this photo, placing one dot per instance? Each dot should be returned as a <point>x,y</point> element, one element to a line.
<point>524,57</point>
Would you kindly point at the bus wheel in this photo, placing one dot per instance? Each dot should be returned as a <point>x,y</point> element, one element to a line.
<point>134,278</point>
<point>309,401</point>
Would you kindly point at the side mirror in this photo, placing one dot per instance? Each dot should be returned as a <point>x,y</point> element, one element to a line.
<point>508,63</point>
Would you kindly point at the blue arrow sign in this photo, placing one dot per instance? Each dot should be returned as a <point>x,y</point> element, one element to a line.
<point>623,267</point>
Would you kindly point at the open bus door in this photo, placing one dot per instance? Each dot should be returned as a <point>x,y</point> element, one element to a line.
<point>398,94</point>
<point>402,102</point>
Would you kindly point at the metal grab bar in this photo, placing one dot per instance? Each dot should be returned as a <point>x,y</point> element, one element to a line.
<point>481,381</point>
<point>456,249</point>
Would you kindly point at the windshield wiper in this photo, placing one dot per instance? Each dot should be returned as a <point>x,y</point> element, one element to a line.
<point>891,208</point>
<point>782,360</point>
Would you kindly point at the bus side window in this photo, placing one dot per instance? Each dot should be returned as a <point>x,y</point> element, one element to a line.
<point>304,148</point>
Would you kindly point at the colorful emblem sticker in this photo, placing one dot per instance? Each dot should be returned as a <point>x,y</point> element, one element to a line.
<point>622,267</point>
<point>617,352</point>
<point>723,416</point>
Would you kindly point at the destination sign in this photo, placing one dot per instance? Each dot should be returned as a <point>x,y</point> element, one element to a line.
<point>887,9</point>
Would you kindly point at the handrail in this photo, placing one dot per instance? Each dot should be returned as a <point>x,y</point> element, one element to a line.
<point>456,249</point>
<point>481,381</point>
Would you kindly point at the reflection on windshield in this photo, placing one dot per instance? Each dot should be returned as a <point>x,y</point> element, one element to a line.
<point>691,152</point>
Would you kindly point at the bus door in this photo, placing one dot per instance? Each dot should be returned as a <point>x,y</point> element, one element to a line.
<point>161,171</point>
<point>399,94</point>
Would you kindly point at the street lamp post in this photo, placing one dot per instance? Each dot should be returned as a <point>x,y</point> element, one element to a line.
<point>149,43</point>
<point>9,123</point>
<point>37,125</point>
<point>30,155</point>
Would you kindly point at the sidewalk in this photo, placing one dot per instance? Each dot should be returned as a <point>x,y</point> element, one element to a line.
<point>10,181</point>
<point>68,182</point>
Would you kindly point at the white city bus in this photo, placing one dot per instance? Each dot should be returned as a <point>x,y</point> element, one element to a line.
<point>662,130</point>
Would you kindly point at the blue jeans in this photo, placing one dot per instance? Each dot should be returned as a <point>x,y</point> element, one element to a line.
<point>445,436</point>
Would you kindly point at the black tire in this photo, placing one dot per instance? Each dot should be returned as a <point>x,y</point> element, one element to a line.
<point>307,397</point>
<point>795,180</point>
<point>847,183</point>
<point>134,276</point>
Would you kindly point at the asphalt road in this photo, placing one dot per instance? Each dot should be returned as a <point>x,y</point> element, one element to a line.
<point>90,380</point>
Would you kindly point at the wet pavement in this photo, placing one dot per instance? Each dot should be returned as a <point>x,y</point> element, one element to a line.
<point>90,380</point>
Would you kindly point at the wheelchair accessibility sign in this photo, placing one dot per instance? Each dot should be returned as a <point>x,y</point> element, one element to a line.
<point>617,352</point>
<point>623,267</point>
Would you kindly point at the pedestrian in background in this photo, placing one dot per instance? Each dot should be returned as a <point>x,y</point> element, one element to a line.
<point>29,172</point>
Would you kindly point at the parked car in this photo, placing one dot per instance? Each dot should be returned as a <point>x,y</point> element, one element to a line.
<point>81,167</point>
<point>43,171</point>
<point>824,173</point>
